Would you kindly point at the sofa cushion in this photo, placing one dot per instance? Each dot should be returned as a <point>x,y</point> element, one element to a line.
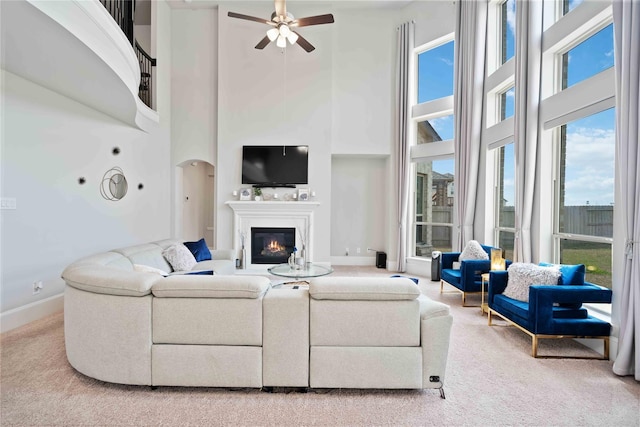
<point>180,258</point>
<point>522,275</point>
<point>147,254</point>
<point>473,250</point>
<point>569,274</point>
<point>199,250</point>
<point>363,288</point>
<point>196,286</point>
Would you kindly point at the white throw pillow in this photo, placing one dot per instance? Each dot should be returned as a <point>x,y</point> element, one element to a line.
<point>180,258</point>
<point>473,250</point>
<point>522,275</point>
<point>148,269</point>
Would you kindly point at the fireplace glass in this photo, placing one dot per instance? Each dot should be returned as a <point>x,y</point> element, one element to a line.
<point>272,245</point>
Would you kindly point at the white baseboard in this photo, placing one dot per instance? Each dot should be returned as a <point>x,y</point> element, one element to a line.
<point>353,260</point>
<point>20,316</point>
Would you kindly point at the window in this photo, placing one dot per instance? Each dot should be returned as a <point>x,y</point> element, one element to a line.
<point>505,199</point>
<point>507,30</point>
<point>435,73</point>
<point>433,206</point>
<point>586,194</point>
<point>432,150</point>
<point>590,57</point>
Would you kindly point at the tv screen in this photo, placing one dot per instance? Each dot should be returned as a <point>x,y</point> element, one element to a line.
<point>275,165</point>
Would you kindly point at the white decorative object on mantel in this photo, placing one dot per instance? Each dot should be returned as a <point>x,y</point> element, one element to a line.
<point>274,214</point>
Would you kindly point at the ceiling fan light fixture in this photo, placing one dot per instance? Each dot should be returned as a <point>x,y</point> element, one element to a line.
<point>273,34</point>
<point>281,42</point>
<point>292,37</point>
<point>284,30</point>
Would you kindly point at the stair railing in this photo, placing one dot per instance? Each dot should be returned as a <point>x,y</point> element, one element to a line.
<point>123,12</point>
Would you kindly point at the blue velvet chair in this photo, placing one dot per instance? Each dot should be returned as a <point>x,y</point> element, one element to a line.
<point>468,278</point>
<point>553,311</point>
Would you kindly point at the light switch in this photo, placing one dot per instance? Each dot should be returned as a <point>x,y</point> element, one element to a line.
<point>8,203</point>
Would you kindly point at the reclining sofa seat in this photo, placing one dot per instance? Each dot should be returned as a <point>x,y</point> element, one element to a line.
<point>553,311</point>
<point>380,334</point>
<point>466,279</point>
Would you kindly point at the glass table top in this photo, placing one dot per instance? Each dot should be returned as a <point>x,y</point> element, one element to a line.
<point>299,272</point>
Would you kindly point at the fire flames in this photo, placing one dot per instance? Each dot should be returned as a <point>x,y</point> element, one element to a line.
<point>273,248</point>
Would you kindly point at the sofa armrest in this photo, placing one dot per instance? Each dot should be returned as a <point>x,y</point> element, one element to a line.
<point>470,267</point>
<point>435,335</point>
<point>543,297</point>
<point>222,254</point>
<point>448,258</point>
<point>497,284</point>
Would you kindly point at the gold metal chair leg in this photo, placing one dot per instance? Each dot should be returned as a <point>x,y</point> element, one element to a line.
<point>606,348</point>
<point>534,346</point>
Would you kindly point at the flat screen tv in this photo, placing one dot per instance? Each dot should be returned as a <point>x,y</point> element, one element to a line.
<point>275,165</point>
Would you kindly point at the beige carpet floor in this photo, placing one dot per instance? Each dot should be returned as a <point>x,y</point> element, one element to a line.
<point>491,380</point>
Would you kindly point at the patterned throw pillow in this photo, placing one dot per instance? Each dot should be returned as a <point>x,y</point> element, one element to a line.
<point>522,275</point>
<point>473,250</point>
<point>180,258</point>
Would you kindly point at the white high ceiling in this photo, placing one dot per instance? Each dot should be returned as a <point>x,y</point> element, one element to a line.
<point>334,5</point>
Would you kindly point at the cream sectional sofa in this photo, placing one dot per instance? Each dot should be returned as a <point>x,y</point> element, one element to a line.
<point>135,327</point>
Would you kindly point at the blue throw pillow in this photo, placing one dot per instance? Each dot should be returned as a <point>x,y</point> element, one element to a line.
<point>199,250</point>
<point>570,274</point>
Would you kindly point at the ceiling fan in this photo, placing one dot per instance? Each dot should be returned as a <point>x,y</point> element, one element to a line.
<point>283,24</point>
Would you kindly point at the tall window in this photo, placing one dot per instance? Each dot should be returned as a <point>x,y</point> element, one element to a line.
<point>432,151</point>
<point>586,194</point>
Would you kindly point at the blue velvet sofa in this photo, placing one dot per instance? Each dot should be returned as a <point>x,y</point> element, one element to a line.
<point>468,278</point>
<point>553,311</point>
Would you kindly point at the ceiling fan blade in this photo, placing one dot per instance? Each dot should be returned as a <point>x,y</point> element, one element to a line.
<point>249,18</point>
<point>313,20</point>
<point>304,43</point>
<point>281,8</point>
<point>262,43</point>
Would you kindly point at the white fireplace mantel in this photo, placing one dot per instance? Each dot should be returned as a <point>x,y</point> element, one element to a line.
<point>248,214</point>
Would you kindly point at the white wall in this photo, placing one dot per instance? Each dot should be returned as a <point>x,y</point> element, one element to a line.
<point>359,185</point>
<point>270,98</point>
<point>194,85</point>
<point>48,142</point>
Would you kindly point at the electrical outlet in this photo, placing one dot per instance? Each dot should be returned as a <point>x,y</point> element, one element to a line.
<point>346,252</point>
<point>37,287</point>
<point>357,250</point>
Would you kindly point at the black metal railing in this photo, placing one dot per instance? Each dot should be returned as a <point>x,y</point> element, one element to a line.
<point>123,12</point>
<point>146,74</point>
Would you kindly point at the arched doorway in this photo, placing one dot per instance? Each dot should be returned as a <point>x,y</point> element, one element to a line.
<point>196,201</point>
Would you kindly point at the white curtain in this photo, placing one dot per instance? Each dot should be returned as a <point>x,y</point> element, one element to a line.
<point>403,116</point>
<point>471,34</point>
<point>528,59</point>
<point>626,26</point>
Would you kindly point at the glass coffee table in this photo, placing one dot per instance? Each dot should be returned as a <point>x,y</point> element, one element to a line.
<point>300,272</point>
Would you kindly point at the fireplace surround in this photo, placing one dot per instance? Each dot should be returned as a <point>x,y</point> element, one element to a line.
<point>272,214</point>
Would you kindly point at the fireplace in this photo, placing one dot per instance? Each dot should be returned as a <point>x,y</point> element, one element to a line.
<point>272,245</point>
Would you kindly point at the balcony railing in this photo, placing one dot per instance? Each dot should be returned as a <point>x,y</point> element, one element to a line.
<point>123,12</point>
